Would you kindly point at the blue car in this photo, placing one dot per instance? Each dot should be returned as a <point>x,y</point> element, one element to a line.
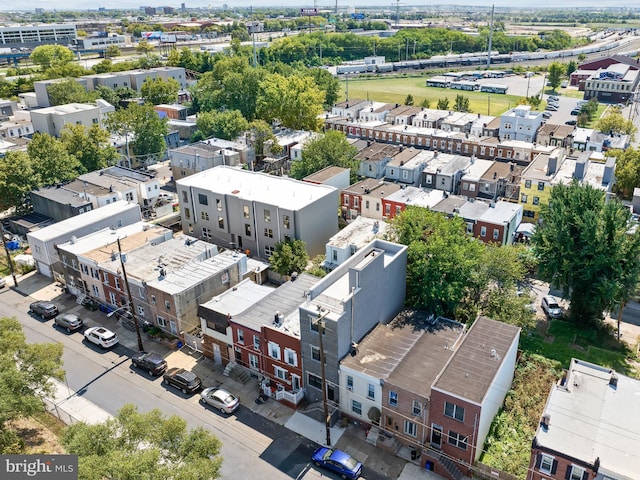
<point>340,462</point>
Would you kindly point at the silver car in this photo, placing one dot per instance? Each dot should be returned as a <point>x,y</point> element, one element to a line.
<point>551,307</point>
<point>220,399</point>
<point>69,322</point>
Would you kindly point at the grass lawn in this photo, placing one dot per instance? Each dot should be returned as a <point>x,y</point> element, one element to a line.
<point>396,89</point>
<point>565,341</point>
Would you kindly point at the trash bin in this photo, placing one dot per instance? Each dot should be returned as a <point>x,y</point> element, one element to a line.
<point>429,465</point>
<point>179,344</point>
<point>414,454</point>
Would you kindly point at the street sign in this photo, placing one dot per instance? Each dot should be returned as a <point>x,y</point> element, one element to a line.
<point>309,11</point>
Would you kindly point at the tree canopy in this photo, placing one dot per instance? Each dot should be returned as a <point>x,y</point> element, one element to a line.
<point>585,246</point>
<point>147,445</point>
<point>68,91</point>
<point>90,146</point>
<point>289,257</point>
<point>143,122</point>
<point>17,179</point>
<point>614,123</point>
<point>51,162</point>
<point>627,170</point>
<point>328,149</point>
<point>227,124</point>
<point>51,55</point>
<point>555,72</point>
<point>157,90</point>
<point>25,370</point>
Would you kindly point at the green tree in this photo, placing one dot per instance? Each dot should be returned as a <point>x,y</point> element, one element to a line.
<point>50,160</point>
<point>227,124</point>
<point>534,101</point>
<point>408,99</point>
<point>443,103</point>
<point>461,104</point>
<point>442,260</point>
<point>425,103</point>
<point>144,47</point>
<point>156,91</point>
<point>329,149</point>
<point>289,257</point>
<point>261,133</point>
<point>17,179</point>
<point>51,55</point>
<point>146,445</point>
<point>25,372</point>
<point>90,146</point>
<point>627,170</point>
<point>328,83</point>
<point>115,95</point>
<point>296,101</point>
<point>555,71</point>
<point>112,51</point>
<point>585,247</point>
<point>572,66</point>
<point>68,91</point>
<point>144,124</point>
<point>614,123</point>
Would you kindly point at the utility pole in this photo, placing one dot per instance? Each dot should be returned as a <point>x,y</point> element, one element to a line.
<point>490,39</point>
<point>131,309</point>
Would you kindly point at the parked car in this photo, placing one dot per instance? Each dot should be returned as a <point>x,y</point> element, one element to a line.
<point>338,461</point>
<point>153,363</point>
<point>554,97</point>
<point>3,282</point>
<point>45,310</point>
<point>186,381</point>
<point>571,122</point>
<point>575,111</point>
<point>101,336</point>
<point>68,321</point>
<point>220,399</point>
<point>551,307</point>
<point>551,108</point>
<point>546,115</point>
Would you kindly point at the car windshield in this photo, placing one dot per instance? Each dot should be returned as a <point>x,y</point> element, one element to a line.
<point>327,454</point>
<point>350,463</point>
<point>553,305</point>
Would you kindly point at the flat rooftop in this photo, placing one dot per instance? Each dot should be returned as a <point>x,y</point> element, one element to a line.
<point>359,232</point>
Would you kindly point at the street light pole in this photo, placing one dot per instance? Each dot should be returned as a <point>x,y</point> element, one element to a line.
<point>327,419</point>
<point>131,309</point>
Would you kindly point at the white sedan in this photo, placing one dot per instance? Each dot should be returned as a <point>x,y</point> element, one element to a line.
<point>220,399</point>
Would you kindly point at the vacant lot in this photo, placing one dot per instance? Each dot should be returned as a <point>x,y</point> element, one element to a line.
<point>396,89</point>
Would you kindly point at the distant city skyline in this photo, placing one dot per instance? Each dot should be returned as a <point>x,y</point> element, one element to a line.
<point>48,5</point>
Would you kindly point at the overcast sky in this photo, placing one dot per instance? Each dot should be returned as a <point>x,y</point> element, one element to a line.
<point>93,4</point>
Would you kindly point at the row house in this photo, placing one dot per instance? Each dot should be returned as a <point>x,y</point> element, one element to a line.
<point>556,135</point>
<point>470,181</point>
<point>376,112</point>
<point>349,108</point>
<point>498,223</point>
<point>200,156</point>
<point>445,171</point>
<point>481,125</point>
<point>253,211</point>
<point>520,123</point>
<point>429,118</point>
<point>406,167</point>
<point>403,361</point>
<point>398,201</point>
<point>589,427</point>
<point>267,340</point>
<point>59,203</point>
<point>374,158</point>
<point>500,180</point>
<point>82,276</point>
<point>338,177</point>
<point>459,122</point>
<point>15,128</point>
<point>52,120</point>
<point>536,183</point>
<point>365,198</point>
<point>357,234</point>
<point>344,307</point>
<point>402,115</point>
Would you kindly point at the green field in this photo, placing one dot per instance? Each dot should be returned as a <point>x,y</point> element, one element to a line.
<point>396,89</point>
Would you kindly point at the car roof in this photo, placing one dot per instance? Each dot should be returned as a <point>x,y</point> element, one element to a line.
<point>152,357</point>
<point>340,456</point>
<point>550,298</point>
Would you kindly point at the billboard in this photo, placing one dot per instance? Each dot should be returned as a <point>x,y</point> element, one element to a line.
<point>308,11</point>
<point>151,35</point>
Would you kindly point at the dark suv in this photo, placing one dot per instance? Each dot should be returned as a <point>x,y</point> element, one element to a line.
<point>151,362</point>
<point>184,380</point>
<point>44,310</point>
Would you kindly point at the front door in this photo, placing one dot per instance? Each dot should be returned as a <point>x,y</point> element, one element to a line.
<point>436,435</point>
<point>217,356</point>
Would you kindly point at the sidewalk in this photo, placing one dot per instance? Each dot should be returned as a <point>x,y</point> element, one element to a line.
<point>351,439</point>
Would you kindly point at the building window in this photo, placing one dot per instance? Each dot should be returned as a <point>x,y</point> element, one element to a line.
<point>161,321</point>
<point>140,311</point>
<point>256,342</point>
<point>416,408</point>
<point>116,280</point>
<point>268,250</point>
<point>393,399</point>
<point>245,211</point>
<point>315,353</point>
<point>274,350</point>
<point>527,184</point>
<point>221,222</point>
<point>496,234</point>
<point>314,381</point>
<point>280,373</point>
<point>523,198</point>
<point>345,200</point>
<point>153,299</point>
<point>452,410</point>
<point>267,216</point>
<point>410,428</point>
<point>203,200</point>
<point>536,200</point>
<point>577,473</point>
<point>105,276</point>
<point>371,392</point>
<point>96,291</point>
<point>187,213</point>
<point>483,231</point>
<point>546,464</point>
<point>457,440</point>
<point>129,196</point>
<point>366,204</point>
<point>218,204</point>
<point>167,305</point>
<point>541,186</point>
<point>377,206</point>
<point>268,232</point>
<point>286,223</point>
<point>206,233</point>
<point>350,383</point>
<point>247,229</point>
<point>241,336</point>
<point>356,407</point>
<point>204,215</point>
<point>290,357</point>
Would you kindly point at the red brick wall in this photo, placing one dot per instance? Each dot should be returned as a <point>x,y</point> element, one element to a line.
<point>559,466</point>
<point>284,341</point>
